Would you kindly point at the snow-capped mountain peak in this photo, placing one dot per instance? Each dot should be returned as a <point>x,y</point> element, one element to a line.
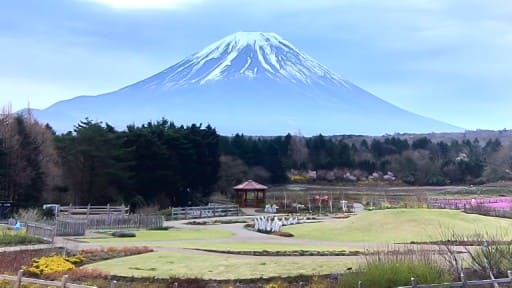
<point>246,55</point>
<point>249,82</point>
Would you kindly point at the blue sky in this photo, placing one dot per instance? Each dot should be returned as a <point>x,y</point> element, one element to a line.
<point>449,60</point>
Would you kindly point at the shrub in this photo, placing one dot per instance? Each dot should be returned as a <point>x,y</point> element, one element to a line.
<point>79,274</point>
<point>13,238</point>
<point>12,261</point>
<point>493,256</point>
<point>123,234</point>
<point>30,215</point>
<point>161,228</point>
<point>396,267</point>
<point>52,264</point>
<point>100,254</point>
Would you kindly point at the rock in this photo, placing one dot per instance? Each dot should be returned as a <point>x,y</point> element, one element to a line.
<point>123,234</point>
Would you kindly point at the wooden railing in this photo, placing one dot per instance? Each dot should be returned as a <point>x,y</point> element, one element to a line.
<point>93,210</point>
<point>43,231</point>
<point>121,222</point>
<point>77,225</point>
<point>17,280</point>
<point>70,227</point>
<point>178,213</point>
<point>462,283</point>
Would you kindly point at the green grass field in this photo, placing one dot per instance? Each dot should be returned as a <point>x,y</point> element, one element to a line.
<point>166,235</point>
<point>399,226</point>
<point>211,266</point>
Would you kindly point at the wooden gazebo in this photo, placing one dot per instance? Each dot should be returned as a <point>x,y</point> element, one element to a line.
<point>250,194</point>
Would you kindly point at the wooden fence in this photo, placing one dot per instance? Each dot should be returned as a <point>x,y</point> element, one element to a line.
<point>122,222</point>
<point>70,227</point>
<point>17,280</point>
<point>43,231</point>
<point>463,283</point>
<point>76,226</point>
<point>489,212</point>
<point>93,210</point>
<point>178,213</point>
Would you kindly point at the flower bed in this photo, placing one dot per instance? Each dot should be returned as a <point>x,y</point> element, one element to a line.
<point>12,261</point>
<point>500,203</point>
<point>286,252</point>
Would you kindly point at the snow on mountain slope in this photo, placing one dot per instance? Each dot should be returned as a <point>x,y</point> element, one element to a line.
<point>248,82</point>
<point>246,55</point>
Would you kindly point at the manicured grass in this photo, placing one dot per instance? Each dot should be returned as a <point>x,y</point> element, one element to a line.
<point>222,266</point>
<point>399,226</point>
<point>167,235</point>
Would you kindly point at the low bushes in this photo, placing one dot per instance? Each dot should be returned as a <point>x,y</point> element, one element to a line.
<point>216,222</point>
<point>12,261</point>
<point>52,264</point>
<point>396,267</point>
<point>14,238</point>
<point>123,234</point>
<point>101,254</point>
<point>286,252</point>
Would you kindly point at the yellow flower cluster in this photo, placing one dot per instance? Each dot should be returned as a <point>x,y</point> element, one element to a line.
<point>298,179</point>
<point>53,264</point>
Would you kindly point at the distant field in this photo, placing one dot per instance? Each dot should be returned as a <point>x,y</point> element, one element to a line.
<point>168,235</point>
<point>399,226</point>
<point>221,266</point>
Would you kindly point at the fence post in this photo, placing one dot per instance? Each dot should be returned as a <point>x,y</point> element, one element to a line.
<point>413,282</point>
<point>64,281</point>
<point>214,210</point>
<point>463,280</point>
<point>186,212</point>
<point>360,284</point>
<point>113,284</point>
<point>108,208</point>
<point>17,284</point>
<point>494,284</point>
<point>88,210</point>
<point>54,231</point>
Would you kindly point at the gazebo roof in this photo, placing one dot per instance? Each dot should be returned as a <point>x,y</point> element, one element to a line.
<point>250,185</point>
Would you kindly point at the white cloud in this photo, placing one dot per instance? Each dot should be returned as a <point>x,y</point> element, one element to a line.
<point>147,4</point>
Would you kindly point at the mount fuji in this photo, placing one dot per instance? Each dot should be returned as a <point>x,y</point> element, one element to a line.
<point>248,82</point>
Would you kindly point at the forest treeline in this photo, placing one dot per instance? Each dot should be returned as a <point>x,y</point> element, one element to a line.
<point>165,164</point>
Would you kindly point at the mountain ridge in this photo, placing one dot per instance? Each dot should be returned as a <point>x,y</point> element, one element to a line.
<point>248,82</point>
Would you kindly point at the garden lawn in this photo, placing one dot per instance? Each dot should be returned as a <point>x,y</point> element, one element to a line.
<point>221,266</point>
<point>166,235</point>
<point>400,226</point>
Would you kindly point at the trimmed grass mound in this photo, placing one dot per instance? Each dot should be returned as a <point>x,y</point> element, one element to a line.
<point>222,266</point>
<point>398,226</point>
